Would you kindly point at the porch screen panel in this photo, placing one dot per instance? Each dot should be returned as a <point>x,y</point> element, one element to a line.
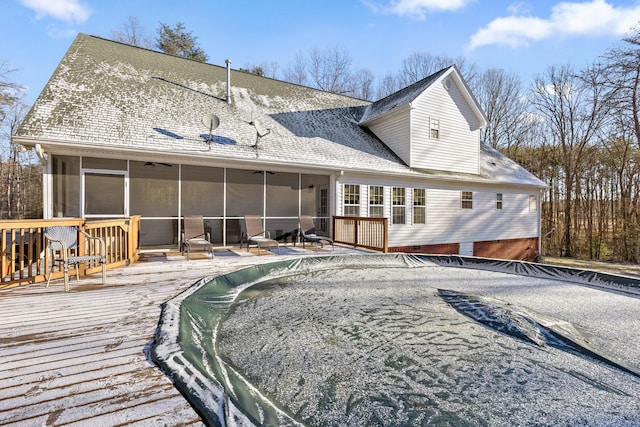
<point>154,190</point>
<point>66,186</point>
<point>282,195</point>
<point>98,163</point>
<point>202,191</point>
<point>244,192</point>
<point>154,195</point>
<point>105,194</point>
<point>311,202</point>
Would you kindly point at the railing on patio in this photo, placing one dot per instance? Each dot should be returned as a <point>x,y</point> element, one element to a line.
<point>370,233</point>
<point>25,258</point>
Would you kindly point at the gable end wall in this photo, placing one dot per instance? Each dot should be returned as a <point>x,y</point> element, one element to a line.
<point>458,147</point>
<point>394,131</point>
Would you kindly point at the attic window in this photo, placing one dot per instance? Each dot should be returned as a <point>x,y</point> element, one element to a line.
<point>466,199</point>
<point>434,129</point>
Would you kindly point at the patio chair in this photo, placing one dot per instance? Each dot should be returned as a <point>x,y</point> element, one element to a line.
<point>194,237</point>
<point>257,235</point>
<point>308,233</point>
<point>64,245</point>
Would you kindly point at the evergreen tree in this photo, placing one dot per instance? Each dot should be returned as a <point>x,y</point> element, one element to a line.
<point>177,41</point>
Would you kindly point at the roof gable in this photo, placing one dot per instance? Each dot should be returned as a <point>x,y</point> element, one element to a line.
<point>410,94</point>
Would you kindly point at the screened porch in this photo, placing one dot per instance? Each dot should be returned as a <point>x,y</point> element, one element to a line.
<point>162,193</point>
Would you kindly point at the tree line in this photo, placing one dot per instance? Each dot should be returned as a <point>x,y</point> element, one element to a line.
<point>578,130</point>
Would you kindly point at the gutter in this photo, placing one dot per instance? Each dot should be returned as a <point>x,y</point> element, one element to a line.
<point>276,164</point>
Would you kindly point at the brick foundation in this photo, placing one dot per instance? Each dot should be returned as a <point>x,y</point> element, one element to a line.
<point>516,249</point>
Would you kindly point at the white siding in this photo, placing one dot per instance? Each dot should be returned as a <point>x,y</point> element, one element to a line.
<point>446,221</point>
<point>395,131</point>
<point>458,147</point>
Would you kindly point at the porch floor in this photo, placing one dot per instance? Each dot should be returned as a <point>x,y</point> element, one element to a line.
<point>80,358</point>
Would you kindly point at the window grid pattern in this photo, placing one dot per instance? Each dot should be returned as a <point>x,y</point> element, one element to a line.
<point>376,201</point>
<point>399,205</point>
<point>499,201</point>
<point>351,199</point>
<point>419,206</point>
<point>434,128</point>
<point>466,200</point>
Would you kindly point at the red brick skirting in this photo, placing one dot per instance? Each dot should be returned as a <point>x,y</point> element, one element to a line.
<point>518,249</point>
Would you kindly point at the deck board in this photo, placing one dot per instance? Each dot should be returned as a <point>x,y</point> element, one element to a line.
<point>80,358</point>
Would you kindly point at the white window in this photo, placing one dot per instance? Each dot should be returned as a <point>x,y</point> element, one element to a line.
<point>466,200</point>
<point>376,201</point>
<point>434,129</point>
<point>533,204</point>
<point>419,206</point>
<point>399,206</point>
<point>351,200</point>
<point>498,200</point>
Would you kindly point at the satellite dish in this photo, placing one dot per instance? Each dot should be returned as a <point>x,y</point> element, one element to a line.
<point>211,121</point>
<point>260,129</point>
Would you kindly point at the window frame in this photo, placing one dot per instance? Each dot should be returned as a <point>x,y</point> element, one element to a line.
<point>466,202</point>
<point>398,210</point>
<point>499,201</point>
<point>378,198</point>
<point>533,204</point>
<point>434,128</point>
<point>351,199</point>
<point>420,207</point>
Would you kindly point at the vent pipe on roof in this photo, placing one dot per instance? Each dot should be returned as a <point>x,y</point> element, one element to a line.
<point>228,62</point>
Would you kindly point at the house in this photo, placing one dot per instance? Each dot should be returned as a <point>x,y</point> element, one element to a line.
<point>123,131</point>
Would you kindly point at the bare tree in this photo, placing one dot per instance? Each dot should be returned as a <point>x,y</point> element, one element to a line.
<point>9,91</point>
<point>572,108</point>
<point>501,96</point>
<point>177,41</point>
<point>622,68</point>
<point>386,86</point>
<point>296,71</point>
<point>362,84</point>
<point>419,65</point>
<point>133,33</point>
<point>330,69</point>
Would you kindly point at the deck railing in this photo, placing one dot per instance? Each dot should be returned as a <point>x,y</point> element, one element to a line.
<point>370,233</point>
<point>24,258</point>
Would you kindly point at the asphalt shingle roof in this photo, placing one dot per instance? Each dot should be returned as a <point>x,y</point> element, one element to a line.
<point>106,95</point>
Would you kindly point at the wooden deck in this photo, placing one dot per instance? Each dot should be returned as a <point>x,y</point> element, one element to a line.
<point>80,358</point>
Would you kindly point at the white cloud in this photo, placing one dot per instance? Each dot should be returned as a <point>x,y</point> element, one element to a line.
<point>71,11</point>
<point>567,19</point>
<point>418,8</point>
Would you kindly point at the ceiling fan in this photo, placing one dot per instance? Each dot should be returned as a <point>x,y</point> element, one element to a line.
<point>157,163</point>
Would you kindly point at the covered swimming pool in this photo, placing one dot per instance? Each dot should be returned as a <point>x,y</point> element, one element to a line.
<point>406,340</point>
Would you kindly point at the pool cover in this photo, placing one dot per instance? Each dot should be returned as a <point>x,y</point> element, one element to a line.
<point>406,340</point>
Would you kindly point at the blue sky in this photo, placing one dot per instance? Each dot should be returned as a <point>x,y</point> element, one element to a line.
<point>521,37</point>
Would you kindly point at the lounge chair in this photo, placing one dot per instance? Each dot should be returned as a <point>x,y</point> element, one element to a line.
<point>63,243</point>
<point>257,235</point>
<point>193,236</point>
<point>308,233</point>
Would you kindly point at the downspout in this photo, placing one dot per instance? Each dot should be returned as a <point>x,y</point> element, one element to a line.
<point>228,62</point>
